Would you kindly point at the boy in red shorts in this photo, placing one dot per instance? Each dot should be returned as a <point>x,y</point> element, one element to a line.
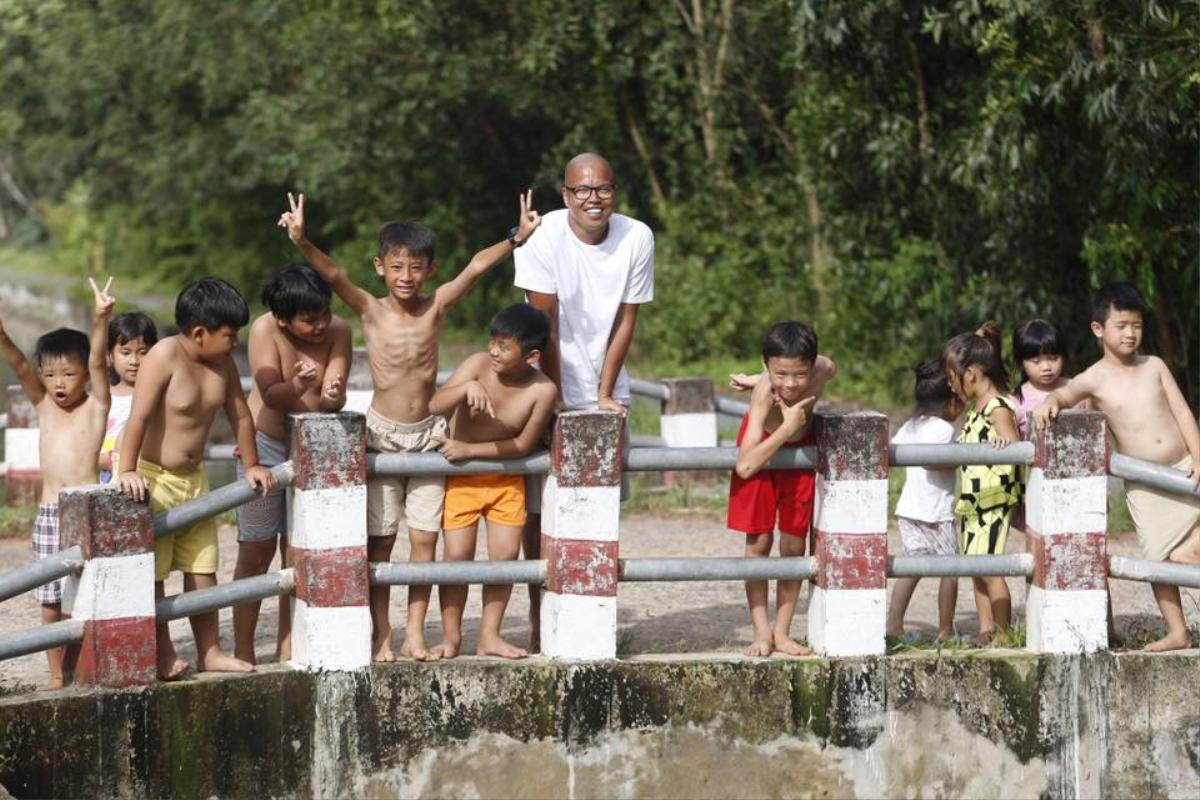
<point>779,416</point>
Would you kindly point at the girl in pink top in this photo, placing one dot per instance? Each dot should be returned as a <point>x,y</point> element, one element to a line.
<point>1040,355</point>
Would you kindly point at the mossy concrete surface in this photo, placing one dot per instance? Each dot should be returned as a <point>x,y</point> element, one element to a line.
<point>995,723</point>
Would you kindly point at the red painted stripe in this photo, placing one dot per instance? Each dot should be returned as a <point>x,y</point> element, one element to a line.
<point>330,578</point>
<point>581,567</point>
<point>115,652</point>
<point>851,560</point>
<point>328,450</point>
<point>586,448</point>
<point>1071,561</point>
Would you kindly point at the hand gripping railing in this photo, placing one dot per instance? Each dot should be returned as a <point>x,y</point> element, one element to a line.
<point>220,500</point>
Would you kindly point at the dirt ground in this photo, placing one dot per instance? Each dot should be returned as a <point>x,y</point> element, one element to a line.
<point>653,618</point>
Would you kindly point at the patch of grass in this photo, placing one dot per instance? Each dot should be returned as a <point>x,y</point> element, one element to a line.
<point>687,495</point>
<point>17,522</point>
<point>1119,521</point>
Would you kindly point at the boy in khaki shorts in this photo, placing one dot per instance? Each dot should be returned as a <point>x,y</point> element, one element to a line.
<point>401,332</point>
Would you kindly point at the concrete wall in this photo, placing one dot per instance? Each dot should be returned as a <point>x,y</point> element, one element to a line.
<point>968,724</point>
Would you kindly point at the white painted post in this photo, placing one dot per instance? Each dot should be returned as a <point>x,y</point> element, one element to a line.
<point>1066,497</point>
<point>580,522</point>
<point>689,414</point>
<point>848,611</point>
<point>359,386</point>
<point>23,479</point>
<point>327,531</point>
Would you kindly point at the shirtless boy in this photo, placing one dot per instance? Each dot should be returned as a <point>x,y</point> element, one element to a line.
<point>299,358</point>
<point>1149,419</point>
<point>182,383</point>
<point>72,427</point>
<point>500,403</point>
<point>780,415</point>
<point>401,332</point>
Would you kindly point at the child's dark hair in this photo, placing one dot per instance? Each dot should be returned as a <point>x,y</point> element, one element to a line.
<point>124,328</point>
<point>1033,338</point>
<point>414,237</point>
<point>790,340</point>
<point>523,323</point>
<point>931,390</point>
<point>1122,296</point>
<point>295,289</point>
<point>210,303</point>
<point>62,343</point>
<point>980,348</point>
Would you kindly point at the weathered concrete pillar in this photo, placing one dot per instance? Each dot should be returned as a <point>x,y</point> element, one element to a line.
<point>689,415</point>
<point>359,386</point>
<point>327,531</point>
<point>580,523</point>
<point>23,480</point>
<point>848,611</point>
<point>1066,518</point>
<point>114,595</point>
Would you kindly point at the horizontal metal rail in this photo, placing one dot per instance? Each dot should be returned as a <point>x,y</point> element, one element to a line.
<point>395,465</point>
<point>1140,569</point>
<point>653,389</point>
<point>220,452</point>
<point>43,637</point>
<point>650,459</point>
<point>730,407</point>
<point>243,590</point>
<point>1013,565</point>
<point>946,455</point>
<point>654,570</point>
<point>218,501</point>
<point>429,573</point>
<point>38,573</point>
<point>1156,476</point>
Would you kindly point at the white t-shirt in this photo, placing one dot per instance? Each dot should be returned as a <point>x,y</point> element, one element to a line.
<point>591,281</point>
<point>928,495</point>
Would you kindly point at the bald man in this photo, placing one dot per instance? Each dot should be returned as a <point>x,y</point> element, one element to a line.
<point>589,269</point>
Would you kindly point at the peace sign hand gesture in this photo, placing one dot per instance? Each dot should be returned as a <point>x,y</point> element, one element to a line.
<point>293,220</point>
<point>104,300</point>
<point>529,219</point>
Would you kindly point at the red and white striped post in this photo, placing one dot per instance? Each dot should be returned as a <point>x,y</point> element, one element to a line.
<point>23,479</point>
<point>580,522</point>
<point>1066,607</point>
<point>114,595</point>
<point>327,533</point>
<point>689,414</point>
<point>848,611</point>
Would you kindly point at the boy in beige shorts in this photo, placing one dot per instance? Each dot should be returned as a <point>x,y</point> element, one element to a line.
<point>401,332</point>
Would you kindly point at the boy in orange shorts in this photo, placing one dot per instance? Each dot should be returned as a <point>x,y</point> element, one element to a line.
<point>500,404</point>
<point>780,415</point>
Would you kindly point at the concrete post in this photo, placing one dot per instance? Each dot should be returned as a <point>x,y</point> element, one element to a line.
<point>848,611</point>
<point>23,481</point>
<point>327,531</point>
<point>689,416</point>
<point>1066,518</point>
<point>580,522</point>
<point>114,595</point>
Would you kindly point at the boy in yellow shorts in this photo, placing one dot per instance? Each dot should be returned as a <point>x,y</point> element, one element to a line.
<point>500,404</point>
<point>182,383</point>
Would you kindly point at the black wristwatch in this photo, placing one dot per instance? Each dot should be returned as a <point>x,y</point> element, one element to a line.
<point>512,237</point>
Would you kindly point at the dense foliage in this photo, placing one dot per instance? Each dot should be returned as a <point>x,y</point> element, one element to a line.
<point>897,171</point>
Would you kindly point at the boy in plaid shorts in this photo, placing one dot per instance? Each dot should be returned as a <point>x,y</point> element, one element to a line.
<point>71,429</point>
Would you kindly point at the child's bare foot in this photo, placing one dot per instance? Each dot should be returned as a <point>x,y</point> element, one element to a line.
<point>498,647</point>
<point>217,660</point>
<point>283,652</point>
<point>983,638</point>
<point>1172,641</point>
<point>415,648</point>
<point>169,667</point>
<point>790,647</point>
<point>446,649</point>
<point>381,648</point>
<point>55,682</point>
<point>759,648</point>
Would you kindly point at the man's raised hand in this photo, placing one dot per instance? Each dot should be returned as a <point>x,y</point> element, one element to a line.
<point>104,300</point>
<point>529,219</point>
<point>292,220</point>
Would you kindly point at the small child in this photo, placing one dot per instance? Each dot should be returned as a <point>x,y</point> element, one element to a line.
<point>71,428</point>
<point>401,331</point>
<point>1039,352</point>
<point>182,383</point>
<point>987,493</point>
<point>299,359</point>
<point>1149,418</point>
<point>925,513</point>
<point>779,416</point>
<point>130,337</point>
<point>499,404</point>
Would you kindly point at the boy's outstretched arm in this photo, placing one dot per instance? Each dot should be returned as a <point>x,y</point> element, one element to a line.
<point>1188,428</point>
<point>521,444</point>
<point>292,221</point>
<point>98,355</point>
<point>453,290</point>
<point>31,384</point>
<point>1077,389</point>
<point>242,423</point>
<point>755,451</point>
<point>153,377</point>
<point>463,386</point>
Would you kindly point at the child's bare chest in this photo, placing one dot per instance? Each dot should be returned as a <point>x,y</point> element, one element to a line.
<point>395,342</point>
<point>1123,397</point>
<point>64,432</point>
<point>195,391</point>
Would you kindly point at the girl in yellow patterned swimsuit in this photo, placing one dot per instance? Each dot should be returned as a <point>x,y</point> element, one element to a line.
<point>987,493</point>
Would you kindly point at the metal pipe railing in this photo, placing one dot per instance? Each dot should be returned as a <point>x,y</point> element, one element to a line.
<point>1156,476</point>
<point>429,573</point>
<point>218,501</point>
<point>243,590</point>
<point>43,637</point>
<point>946,455</point>
<point>652,389</point>
<point>730,407</point>
<point>1140,569</point>
<point>1013,565</point>
<point>37,573</point>
<point>653,570</point>
<point>395,465</point>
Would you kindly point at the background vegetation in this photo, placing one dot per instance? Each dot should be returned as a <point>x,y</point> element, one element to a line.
<point>896,171</point>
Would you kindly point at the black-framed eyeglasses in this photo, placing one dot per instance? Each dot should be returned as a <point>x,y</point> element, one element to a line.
<point>582,192</point>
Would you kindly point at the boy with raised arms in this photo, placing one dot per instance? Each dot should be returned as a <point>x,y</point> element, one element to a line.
<point>500,403</point>
<point>299,359</point>
<point>182,383</point>
<point>71,429</point>
<point>1149,418</point>
<point>401,331</point>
